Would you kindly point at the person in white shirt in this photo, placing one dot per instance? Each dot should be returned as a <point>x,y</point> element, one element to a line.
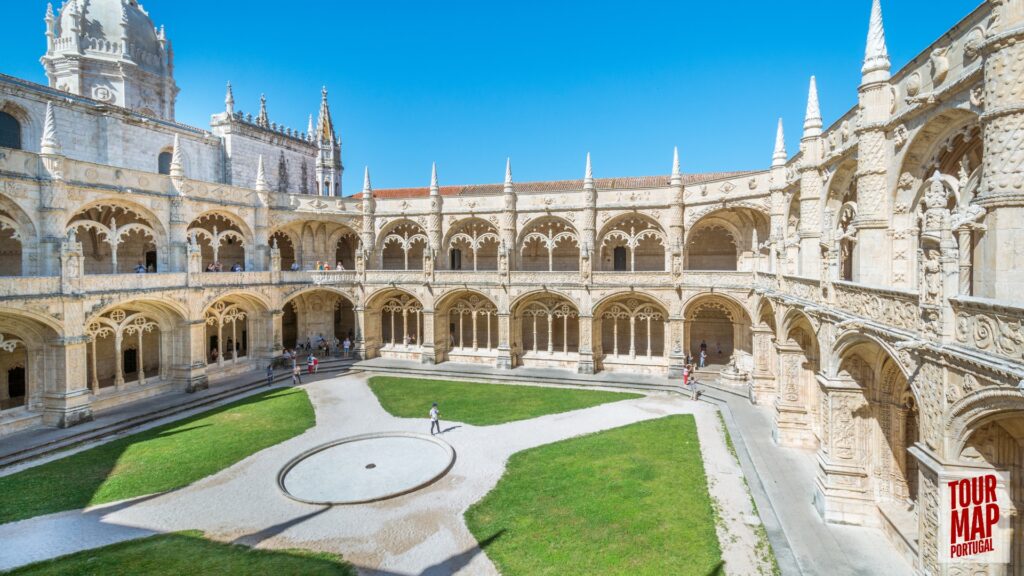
<point>435,424</point>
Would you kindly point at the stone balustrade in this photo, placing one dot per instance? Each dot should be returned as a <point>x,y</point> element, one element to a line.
<point>28,286</point>
<point>888,306</point>
<point>991,327</point>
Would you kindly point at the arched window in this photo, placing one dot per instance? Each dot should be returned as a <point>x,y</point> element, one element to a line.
<point>164,163</point>
<point>10,131</point>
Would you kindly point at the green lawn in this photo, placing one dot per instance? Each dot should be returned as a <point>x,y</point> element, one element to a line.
<point>163,458</point>
<point>482,404</point>
<point>187,553</point>
<point>632,500</point>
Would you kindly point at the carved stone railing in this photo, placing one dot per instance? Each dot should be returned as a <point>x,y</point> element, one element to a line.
<point>888,306</point>
<point>19,286</point>
<point>127,282</point>
<point>234,278</point>
<point>321,277</point>
<point>546,278</point>
<point>804,288</point>
<point>991,327</point>
<point>468,277</point>
<point>718,279</point>
<point>646,278</point>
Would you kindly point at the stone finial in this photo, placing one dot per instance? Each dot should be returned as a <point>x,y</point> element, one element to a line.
<point>49,11</point>
<point>588,174</point>
<point>367,189</point>
<point>508,175</point>
<point>677,176</point>
<point>261,177</point>
<point>812,120</point>
<point>229,101</point>
<point>876,56</point>
<point>310,134</point>
<point>50,143</point>
<point>177,163</point>
<point>780,156</point>
<point>435,190</point>
<point>263,120</point>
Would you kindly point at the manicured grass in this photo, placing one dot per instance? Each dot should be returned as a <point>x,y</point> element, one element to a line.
<point>163,458</point>
<point>187,553</point>
<point>632,500</point>
<point>482,404</point>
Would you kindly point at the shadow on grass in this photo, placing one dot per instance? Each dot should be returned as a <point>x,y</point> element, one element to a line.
<point>718,570</point>
<point>160,459</point>
<point>188,553</point>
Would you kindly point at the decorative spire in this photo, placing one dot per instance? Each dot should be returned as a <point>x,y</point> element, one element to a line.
<point>812,121</point>
<point>50,143</point>
<point>435,190</point>
<point>309,129</point>
<point>876,57</point>
<point>177,166</point>
<point>261,177</point>
<point>263,120</point>
<point>508,175</point>
<point>677,176</point>
<point>588,175</point>
<point>229,101</point>
<point>780,156</point>
<point>367,189</point>
<point>324,125</point>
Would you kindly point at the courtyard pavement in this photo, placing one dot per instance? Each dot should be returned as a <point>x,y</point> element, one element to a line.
<point>422,533</point>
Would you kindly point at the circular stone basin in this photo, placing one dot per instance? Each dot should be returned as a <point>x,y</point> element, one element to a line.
<point>366,468</point>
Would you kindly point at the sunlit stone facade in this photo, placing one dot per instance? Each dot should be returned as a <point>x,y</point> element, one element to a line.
<point>868,291</point>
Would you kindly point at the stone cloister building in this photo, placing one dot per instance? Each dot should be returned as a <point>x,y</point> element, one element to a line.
<point>866,292</point>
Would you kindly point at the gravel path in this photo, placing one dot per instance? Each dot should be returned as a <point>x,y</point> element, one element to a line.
<point>422,533</point>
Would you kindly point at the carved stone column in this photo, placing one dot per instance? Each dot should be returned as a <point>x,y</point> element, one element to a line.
<point>586,347</point>
<point>504,361</point>
<point>674,344</point>
<point>842,492</point>
<point>177,257</point>
<point>360,349</point>
<point>66,396</point>
<point>428,354</point>
<point>792,427</point>
<point>763,375</point>
<point>276,318</point>
<point>1001,190</point>
<point>190,367</point>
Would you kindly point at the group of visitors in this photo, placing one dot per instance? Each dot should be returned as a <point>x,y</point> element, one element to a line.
<point>218,267</point>
<point>141,268</point>
<point>324,266</point>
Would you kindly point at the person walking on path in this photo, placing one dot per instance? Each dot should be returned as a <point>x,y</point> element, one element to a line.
<point>296,374</point>
<point>686,376</point>
<point>316,365</point>
<point>435,423</point>
<point>309,363</point>
<point>692,385</point>
<point>270,374</point>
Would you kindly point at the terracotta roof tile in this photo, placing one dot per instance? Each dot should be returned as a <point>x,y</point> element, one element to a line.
<point>626,183</point>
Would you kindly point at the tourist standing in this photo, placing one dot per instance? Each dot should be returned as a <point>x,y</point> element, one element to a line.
<point>346,346</point>
<point>309,363</point>
<point>435,423</point>
<point>703,358</point>
<point>270,375</point>
<point>296,374</point>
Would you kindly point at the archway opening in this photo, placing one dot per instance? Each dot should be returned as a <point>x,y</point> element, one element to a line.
<point>287,250</point>
<point>221,241</point>
<point>403,247</point>
<point>547,329</point>
<point>550,245</point>
<point>11,251</point>
<point>631,332</point>
<point>116,240</point>
<point>633,244</point>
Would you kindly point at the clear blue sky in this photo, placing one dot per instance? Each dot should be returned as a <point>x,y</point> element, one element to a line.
<point>467,83</point>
